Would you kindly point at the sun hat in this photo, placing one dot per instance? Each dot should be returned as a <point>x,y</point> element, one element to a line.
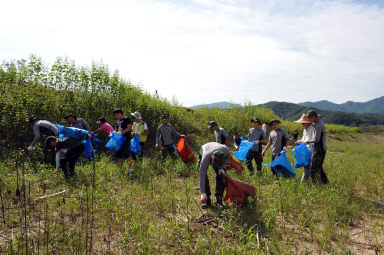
<point>304,119</point>
<point>136,115</point>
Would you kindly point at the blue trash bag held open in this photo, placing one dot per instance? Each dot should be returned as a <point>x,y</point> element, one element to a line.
<point>115,142</point>
<point>302,156</point>
<point>135,145</point>
<point>76,133</point>
<point>282,166</point>
<point>96,141</point>
<point>244,147</point>
<point>88,151</point>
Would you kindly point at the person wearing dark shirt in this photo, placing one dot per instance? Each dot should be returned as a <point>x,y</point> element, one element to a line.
<point>124,127</point>
<point>67,160</point>
<point>257,137</point>
<point>295,135</point>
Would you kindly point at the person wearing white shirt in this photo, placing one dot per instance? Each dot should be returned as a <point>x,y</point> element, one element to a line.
<point>308,135</point>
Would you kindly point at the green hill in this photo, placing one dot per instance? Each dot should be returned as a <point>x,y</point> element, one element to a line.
<point>293,112</point>
<point>373,106</point>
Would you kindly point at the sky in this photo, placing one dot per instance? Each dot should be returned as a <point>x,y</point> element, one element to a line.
<point>204,51</point>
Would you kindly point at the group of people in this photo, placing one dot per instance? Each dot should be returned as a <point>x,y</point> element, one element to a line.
<point>66,150</point>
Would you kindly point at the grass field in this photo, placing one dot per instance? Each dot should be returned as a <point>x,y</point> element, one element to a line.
<point>156,210</point>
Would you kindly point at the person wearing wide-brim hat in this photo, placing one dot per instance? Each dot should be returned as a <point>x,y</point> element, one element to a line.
<point>164,138</point>
<point>319,149</point>
<point>221,135</point>
<point>308,135</point>
<point>140,128</point>
<point>278,139</point>
<point>256,136</point>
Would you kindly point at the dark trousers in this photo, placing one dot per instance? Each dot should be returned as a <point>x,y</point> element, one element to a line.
<point>142,144</point>
<point>220,186</point>
<point>254,155</point>
<point>168,149</point>
<point>276,169</point>
<point>317,172</point>
<point>49,156</point>
<point>219,191</point>
<point>70,158</point>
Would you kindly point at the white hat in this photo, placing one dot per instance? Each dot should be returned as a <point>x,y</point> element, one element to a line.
<point>136,115</point>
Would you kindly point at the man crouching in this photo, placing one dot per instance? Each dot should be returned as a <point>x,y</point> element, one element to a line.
<point>217,155</point>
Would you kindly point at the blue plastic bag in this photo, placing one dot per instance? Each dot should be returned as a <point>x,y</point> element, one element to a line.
<point>88,152</point>
<point>135,145</point>
<point>302,156</point>
<point>76,133</point>
<point>115,143</point>
<point>282,166</point>
<point>244,147</point>
<point>96,141</point>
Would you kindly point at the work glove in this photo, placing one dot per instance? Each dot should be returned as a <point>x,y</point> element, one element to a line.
<point>118,133</point>
<point>138,133</point>
<point>284,149</point>
<point>257,142</point>
<point>31,148</point>
<point>221,172</point>
<point>204,198</point>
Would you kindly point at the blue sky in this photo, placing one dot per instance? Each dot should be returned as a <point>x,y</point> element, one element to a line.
<point>204,51</point>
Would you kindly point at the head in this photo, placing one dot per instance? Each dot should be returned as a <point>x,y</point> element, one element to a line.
<point>274,124</point>
<point>212,125</point>
<point>306,125</point>
<point>164,119</point>
<point>51,141</point>
<point>118,114</point>
<point>136,116</point>
<point>32,119</point>
<point>70,118</point>
<point>313,116</point>
<point>236,135</point>
<point>255,123</point>
<point>101,121</point>
<point>217,159</point>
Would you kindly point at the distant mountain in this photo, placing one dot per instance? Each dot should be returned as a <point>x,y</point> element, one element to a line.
<point>293,112</point>
<point>372,106</point>
<point>221,105</point>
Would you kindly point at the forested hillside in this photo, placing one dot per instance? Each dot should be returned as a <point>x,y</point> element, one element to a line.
<point>293,112</point>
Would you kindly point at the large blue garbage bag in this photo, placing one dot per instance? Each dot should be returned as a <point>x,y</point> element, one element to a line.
<point>88,152</point>
<point>244,147</point>
<point>302,156</point>
<point>76,133</point>
<point>98,143</point>
<point>282,166</point>
<point>135,145</point>
<point>115,142</point>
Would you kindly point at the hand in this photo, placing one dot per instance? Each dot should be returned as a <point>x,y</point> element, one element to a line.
<point>204,198</point>
<point>263,154</point>
<point>297,142</point>
<point>182,136</point>
<point>31,148</point>
<point>89,135</point>
<point>221,172</point>
<point>257,142</point>
<point>158,146</point>
<point>138,133</point>
<point>285,148</point>
<point>119,133</point>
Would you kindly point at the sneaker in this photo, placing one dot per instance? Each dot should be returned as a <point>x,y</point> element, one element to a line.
<point>220,205</point>
<point>206,205</point>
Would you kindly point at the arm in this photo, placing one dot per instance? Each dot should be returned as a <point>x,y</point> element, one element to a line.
<point>58,154</point>
<point>86,125</point>
<point>175,133</point>
<point>158,133</point>
<point>36,132</point>
<point>266,148</point>
<point>227,140</point>
<point>128,129</point>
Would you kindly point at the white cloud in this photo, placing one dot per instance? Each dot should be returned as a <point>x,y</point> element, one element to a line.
<point>205,51</point>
